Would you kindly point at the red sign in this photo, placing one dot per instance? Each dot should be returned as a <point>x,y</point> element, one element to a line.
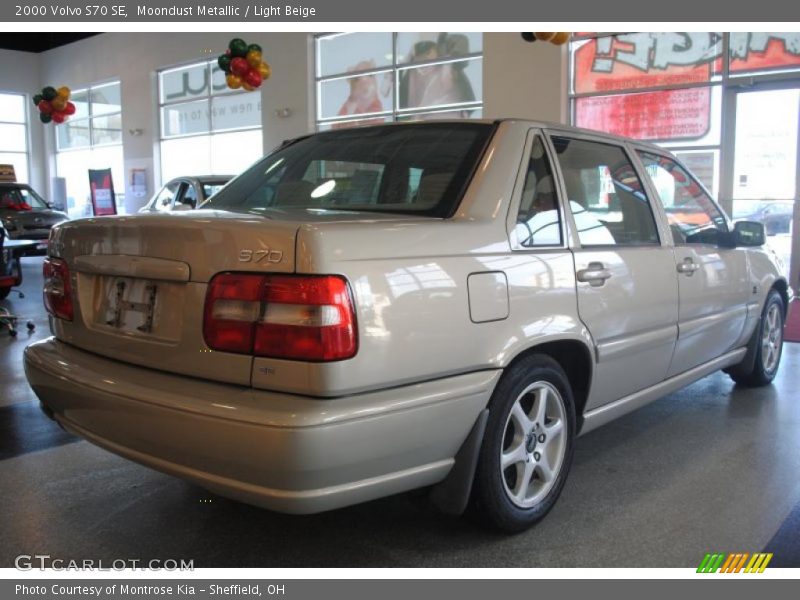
<point>762,51</point>
<point>102,189</point>
<point>643,60</point>
<point>662,115</point>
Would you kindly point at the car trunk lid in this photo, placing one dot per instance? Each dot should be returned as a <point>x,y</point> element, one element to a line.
<point>140,282</point>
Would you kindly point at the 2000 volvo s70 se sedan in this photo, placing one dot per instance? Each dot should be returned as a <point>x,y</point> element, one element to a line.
<point>367,311</point>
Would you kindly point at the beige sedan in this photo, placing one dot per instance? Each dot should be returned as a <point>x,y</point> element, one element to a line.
<point>367,311</point>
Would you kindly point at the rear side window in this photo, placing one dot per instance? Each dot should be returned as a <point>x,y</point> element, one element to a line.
<point>419,169</point>
<point>605,194</point>
<point>538,221</point>
<point>693,217</point>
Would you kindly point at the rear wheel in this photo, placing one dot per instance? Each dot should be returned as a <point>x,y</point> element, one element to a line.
<point>528,445</point>
<point>769,345</point>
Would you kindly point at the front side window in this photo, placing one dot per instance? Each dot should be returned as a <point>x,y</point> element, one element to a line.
<point>538,222</point>
<point>693,217</point>
<point>166,197</point>
<point>605,194</point>
<point>415,169</point>
<point>20,199</point>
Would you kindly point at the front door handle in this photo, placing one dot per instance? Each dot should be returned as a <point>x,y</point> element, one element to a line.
<point>595,274</point>
<point>688,267</point>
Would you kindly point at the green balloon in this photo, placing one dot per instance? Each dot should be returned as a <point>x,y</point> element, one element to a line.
<point>49,93</point>
<point>224,62</point>
<point>45,118</point>
<point>37,98</point>
<point>254,47</point>
<point>238,47</point>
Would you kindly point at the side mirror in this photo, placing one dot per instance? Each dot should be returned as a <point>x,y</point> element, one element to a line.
<point>749,234</point>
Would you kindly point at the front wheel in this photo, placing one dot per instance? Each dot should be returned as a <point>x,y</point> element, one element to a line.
<point>769,345</point>
<point>528,445</point>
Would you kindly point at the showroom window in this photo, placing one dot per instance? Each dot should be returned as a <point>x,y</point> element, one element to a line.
<point>14,134</point>
<point>370,77</point>
<point>91,139</point>
<point>206,128</point>
<point>668,87</point>
<point>682,90</point>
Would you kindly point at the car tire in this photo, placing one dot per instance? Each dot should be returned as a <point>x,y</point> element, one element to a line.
<point>528,445</point>
<point>4,292</point>
<point>768,338</point>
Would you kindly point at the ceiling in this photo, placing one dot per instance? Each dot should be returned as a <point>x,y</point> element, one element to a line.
<point>38,42</point>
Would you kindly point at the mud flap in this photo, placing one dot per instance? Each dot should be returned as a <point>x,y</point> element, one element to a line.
<point>451,495</point>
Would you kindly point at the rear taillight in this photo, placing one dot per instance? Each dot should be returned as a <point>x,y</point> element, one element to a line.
<point>297,317</point>
<point>57,289</point>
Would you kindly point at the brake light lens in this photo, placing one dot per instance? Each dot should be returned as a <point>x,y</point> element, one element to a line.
<point>296,317</point>
<point>57,289</point>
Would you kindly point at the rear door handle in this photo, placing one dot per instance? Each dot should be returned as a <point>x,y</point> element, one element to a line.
<point>595,274</point>
<point>688,267</point>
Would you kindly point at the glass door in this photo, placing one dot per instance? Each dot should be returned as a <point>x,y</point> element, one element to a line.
<point>765,167</point>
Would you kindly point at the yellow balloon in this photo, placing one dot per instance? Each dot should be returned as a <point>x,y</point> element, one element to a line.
<point>58,103</point>
<point>254,58</point>
<point>265,70</point>
<point>562,37</point>
<point>64,92</point>
<point>545,36</point>
<point>247,86</point>
<point>234,81</point>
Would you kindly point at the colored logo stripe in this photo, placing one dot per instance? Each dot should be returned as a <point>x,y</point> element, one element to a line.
<point>734,562</point>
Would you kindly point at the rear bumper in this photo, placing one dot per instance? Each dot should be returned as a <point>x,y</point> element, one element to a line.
<point>284,452</point>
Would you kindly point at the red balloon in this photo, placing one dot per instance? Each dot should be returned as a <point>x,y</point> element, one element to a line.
<point>239,66</point>
<point>45,107</point>
<point>70,109</point>
<point>59,117</point>
<point>253,77</point>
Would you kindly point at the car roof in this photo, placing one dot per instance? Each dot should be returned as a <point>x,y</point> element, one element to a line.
<point>521,122</point>
<point>202,178</point>
<point>14,184</point>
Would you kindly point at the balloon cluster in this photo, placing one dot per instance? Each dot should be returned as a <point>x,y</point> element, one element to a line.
<point>54,104</point>
<point>557,38</point>
<point>243,65</point>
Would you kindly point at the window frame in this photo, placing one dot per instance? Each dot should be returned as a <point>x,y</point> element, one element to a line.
<point>207,98</point>
<point>26,114</point>
<point>396,68</point>
<point>519,188</point>
<point>90,117</point>
<point>629,153</point>
<point>663,153</point>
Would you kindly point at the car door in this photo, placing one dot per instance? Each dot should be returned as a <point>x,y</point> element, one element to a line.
<point>712,279</point>
<point>626,281</point>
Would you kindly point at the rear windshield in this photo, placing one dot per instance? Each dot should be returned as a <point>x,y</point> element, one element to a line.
<point>416,169</point>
